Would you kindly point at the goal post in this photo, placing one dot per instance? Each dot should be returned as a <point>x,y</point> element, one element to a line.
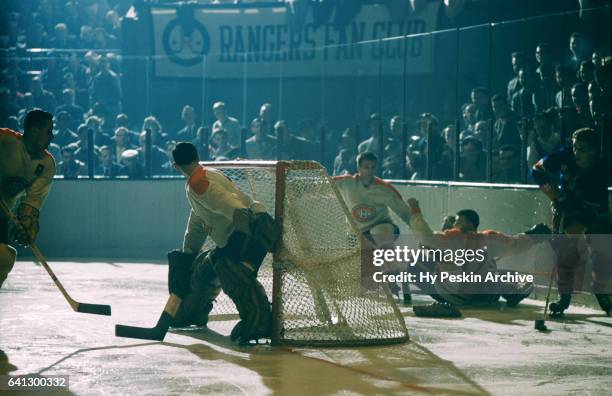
<point>314,279</point>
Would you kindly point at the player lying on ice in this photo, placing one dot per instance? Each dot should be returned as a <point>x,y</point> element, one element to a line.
<point>465,235</point>
<point>243,233</point>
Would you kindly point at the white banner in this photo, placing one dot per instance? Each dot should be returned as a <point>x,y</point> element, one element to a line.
<point>258,43</point>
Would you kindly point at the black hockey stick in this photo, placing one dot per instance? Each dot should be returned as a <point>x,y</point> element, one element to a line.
<point>98,309</point>
<point>158,332</point>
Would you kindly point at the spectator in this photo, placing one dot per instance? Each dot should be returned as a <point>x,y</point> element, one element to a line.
<point>158,155</point>
<point>72,18</point>
<point>189,133</point>
<point>227,123</point>
<point>543,140</point>
<point>392,159</point>
<point>473,161</point>
<point>482,133</point>
<point>69,167</point>
<point>69,106</point>
<point>106,89</point>
<point>579,115</point>
<point>505,130</point>
<point>480,98</point>
<point>266,119</point>
<point>371,144</point>
<point>344,163</point>
<point>579,50</point>
<point>523,101</point>
<point>564,81</point>
<point>122,143</point>
<point>108,168</point>
<point>597,59</point>
<point>519,61</point>
<point>293,147</point>
<point>86,36</point>
<point>586,72</point>
<point>96,124</point>
<point>508,169</point>
<point>545,97</point>
<point>469,120</point>
<point>542,54</point>
<point>131,165</point>
<point>260,145</point>
<point>112,25</point>
<point>82,145</point>
<point>61,39</point>
<point>37,37</point>
<point>220,148</point>
<point>43,99</point>
<point>158,137</point>
<point>63,134</point>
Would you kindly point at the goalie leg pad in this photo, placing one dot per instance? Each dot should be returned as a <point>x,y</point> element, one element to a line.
<point>239,282</point>
<point>7,261</point>
<point>204,287</point>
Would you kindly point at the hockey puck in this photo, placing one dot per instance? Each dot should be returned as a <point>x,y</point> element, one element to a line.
<point>540,325</point>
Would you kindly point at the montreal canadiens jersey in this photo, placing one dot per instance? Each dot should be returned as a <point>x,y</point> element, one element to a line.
<point>213,198</point>
<point>370,205</point>
<point>21,176</point>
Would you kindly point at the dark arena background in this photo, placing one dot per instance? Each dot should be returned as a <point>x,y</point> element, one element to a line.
<point>503,107</point>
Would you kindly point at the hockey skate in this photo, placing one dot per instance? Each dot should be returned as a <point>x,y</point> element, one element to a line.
<point>557,308</point>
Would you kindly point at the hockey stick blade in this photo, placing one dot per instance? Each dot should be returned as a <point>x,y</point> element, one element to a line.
<point>96,309</point>
<point>156,333</point>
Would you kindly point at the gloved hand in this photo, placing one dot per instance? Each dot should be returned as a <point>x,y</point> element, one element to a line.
<point>539,229</point>
<point>26,231</point>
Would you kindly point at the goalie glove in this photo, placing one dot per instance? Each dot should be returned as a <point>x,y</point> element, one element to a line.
<point>26,231</point>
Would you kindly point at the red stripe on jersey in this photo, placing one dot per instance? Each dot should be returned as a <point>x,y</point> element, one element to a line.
<point>342,177</point>
<point>198,181</point>
<point>381,182</point>
<point>10,132</point>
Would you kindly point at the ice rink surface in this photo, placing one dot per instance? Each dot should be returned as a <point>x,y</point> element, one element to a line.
<point>488,351</point>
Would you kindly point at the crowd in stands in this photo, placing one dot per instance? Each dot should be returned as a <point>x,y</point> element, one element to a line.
<point>545,101</point>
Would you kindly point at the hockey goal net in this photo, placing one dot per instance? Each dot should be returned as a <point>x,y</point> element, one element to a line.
<point>314,279</point>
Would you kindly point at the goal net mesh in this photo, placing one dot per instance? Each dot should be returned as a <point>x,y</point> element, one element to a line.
<point>314,280</point>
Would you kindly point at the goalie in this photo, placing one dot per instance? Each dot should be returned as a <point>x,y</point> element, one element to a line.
<point>26,174</point>
<point>243,234</point>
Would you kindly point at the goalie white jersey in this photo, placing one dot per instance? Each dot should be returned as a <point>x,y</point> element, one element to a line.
<point>370,205</point>
<point>213,198</point>
<point>20,173</point>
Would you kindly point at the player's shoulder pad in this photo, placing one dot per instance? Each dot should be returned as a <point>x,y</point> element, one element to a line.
<point>198,181</point>
<point>380,182</point>
<point>10,133</point>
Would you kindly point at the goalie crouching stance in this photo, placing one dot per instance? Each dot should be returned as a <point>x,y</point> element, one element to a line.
<point>243,233</point>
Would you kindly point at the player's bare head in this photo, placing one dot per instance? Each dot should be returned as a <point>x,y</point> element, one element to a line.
<point>38,130</point>
<point>363,157</point>
<point>184,153</point>
<point>366,165</point>
<point>585,142</point>
<point>467,220</point>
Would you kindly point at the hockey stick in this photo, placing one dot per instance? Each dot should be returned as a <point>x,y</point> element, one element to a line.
<point>158,332</point>
<point>98,309</point>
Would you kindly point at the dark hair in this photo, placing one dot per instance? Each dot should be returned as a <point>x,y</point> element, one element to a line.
<point>36,118</point>
<point>519,54</point>
<point>184,153</point>
<point>367,156</point>
<point>588,136</point>
<point>482,90</point>
<point>471,216</point>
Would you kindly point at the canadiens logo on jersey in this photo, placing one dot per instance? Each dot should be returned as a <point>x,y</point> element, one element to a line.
<point>363,212</point>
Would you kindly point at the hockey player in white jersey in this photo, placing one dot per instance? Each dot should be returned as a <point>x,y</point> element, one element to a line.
<point>26,174</point>
<point>243,233</point>
<point>369,199</point>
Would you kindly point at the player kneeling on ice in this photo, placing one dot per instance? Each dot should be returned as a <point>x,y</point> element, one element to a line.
<point>369,199</point>
<point>243,233</point>
<point>26,174</point>
<point>484,283</point>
